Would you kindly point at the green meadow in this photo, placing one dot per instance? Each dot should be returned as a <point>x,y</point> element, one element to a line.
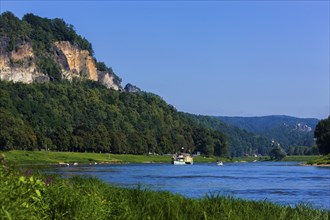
<point>20,157</point>
<point>50,157</point>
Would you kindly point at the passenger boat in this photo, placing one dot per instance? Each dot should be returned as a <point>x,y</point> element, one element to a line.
<point>182,159</point>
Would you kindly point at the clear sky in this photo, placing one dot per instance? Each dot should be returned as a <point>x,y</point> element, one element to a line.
<point>230,58</point>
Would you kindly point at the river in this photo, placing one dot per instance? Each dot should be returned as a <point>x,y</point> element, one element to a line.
<point>284,183</point>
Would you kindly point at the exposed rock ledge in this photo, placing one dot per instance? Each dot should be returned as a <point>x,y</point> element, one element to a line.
<point>19,65</point>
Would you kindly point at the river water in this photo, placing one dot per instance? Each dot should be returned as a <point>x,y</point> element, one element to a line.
<point>279,182</point>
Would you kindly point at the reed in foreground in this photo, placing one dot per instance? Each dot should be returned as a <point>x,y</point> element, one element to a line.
<point>26,195</point>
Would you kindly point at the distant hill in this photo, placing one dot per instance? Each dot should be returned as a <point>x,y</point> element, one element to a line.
<point>240,141</point>
<point>288,131</point>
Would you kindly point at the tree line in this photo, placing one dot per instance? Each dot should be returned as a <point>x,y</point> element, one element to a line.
<point>84,116</point>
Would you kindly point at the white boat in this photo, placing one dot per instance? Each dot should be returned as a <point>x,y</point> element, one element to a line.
<point>219,163</point>
<point>182,159</point>
<point>176,162</point>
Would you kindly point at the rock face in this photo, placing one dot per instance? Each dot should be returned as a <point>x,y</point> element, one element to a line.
<point>108,80</point>
<point>131,88</point>
<point>75,62</point>
<point>19,65</point>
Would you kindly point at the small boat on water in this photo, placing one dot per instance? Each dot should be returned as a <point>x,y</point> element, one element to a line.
<point>182,159</point>
<point>219,163</point>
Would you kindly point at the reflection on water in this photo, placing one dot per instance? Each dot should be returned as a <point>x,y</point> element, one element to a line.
<point>279,182</point>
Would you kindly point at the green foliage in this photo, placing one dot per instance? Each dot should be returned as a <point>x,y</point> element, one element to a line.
<point>324,160</point>
<point>322,135</point>
<point>87,117</point>
<point>14,29</point>
<point>289,131</point>
<point>42,31</point>
<point>240,142</point>
<point>26,195</point>
<point>46,31</point>
<point>21,193</point>
<point>14,133</point>
<point>303,150</point>
<point>277,153</point>
<point>301,158</point>
<point>101,66</point>
<point>48,66</point>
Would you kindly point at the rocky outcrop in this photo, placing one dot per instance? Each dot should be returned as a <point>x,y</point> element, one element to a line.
<point>75,62</point>
<point>109,80</point>
<point>78,63</point>
<point>131,88</point>
<point>19,64</point>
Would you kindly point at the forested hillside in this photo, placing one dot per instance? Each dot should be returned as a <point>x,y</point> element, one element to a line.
<point>86,116</point>
<point>288,131</point>
<point>68,112</point>
<point>240,142</point>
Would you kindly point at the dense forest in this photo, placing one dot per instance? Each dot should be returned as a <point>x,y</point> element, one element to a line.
<point>85,116</point>
<point>240,142</point>
<point>290,132</point>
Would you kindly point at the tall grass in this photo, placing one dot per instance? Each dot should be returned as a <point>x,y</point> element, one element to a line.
<point>29,195</point>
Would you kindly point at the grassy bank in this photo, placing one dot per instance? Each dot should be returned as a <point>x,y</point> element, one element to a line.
<point>27,195</point>
<point>301,158</point>
<point>324,160</point>
<point>50,157</point>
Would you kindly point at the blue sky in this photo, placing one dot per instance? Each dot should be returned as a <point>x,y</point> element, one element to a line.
<point>240,58</point>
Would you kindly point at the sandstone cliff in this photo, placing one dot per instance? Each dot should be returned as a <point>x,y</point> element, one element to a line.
<point>78,63</point>
<point>20,64</point>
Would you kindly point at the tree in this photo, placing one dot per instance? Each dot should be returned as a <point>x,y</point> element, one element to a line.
<point>277,153</point>
<point>322,135</point>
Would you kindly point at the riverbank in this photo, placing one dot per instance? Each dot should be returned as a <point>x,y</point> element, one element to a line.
<point>323,161</point>
<point>55,158</point>
<point>29,195</point>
